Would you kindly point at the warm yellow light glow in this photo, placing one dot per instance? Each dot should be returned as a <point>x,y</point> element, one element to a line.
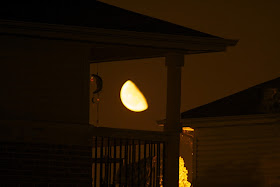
<point>132,98</point>
<point>183,174</point>
<point>187,129</point>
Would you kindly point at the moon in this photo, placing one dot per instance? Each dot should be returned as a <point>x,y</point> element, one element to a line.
<point>132,98</point>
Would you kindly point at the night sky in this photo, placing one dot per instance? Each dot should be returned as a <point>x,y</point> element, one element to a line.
<point>205,77</point>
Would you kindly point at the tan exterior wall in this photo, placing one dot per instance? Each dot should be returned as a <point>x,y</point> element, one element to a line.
<point>43,79</point>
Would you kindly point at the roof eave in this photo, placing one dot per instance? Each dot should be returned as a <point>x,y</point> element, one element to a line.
<point>182,44</point>
<point>222,121</point>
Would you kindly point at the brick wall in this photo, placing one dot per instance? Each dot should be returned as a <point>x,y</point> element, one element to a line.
<point>44,165</point>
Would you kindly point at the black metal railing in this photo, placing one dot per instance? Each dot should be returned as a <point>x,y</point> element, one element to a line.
<point>126,161</point>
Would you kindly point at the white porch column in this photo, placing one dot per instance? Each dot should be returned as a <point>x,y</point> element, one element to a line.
<point>174,63</point>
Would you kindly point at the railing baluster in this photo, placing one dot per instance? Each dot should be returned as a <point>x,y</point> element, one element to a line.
<point>158,165</point>
<point>133,163</point>
<point>163,163</point>
<point>121,164</point>
<point>129,160</point>
<point>154,164</point>
<point>109,161</point>
<point>105,180</point>
<point>126,163</point>
<point>138,165</point>
<point>95,163</point>
<point>145,167</point>
<point>101,161</point>
<point>114,166</point>
<point>151,162</point>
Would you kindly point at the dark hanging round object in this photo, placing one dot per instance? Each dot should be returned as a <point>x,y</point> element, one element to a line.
<point>97,83</point>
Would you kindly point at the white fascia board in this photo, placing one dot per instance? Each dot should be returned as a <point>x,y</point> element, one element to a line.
<point>116,37</point>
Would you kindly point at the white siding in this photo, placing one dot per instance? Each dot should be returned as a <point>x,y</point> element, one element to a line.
<point>242,155</point>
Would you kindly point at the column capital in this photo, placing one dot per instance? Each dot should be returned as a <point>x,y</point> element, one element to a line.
<point>174,59</point>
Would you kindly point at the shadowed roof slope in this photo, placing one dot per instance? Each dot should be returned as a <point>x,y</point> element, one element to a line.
<point>260,99</point>
<point>89,14</point>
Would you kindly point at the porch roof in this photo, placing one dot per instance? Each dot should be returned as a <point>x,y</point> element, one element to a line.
<point>91,14</point>
<point>263,98</point>
<point>118,34</point>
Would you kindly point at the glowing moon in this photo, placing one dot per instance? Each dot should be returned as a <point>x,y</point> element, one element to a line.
<point>132,98</point>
